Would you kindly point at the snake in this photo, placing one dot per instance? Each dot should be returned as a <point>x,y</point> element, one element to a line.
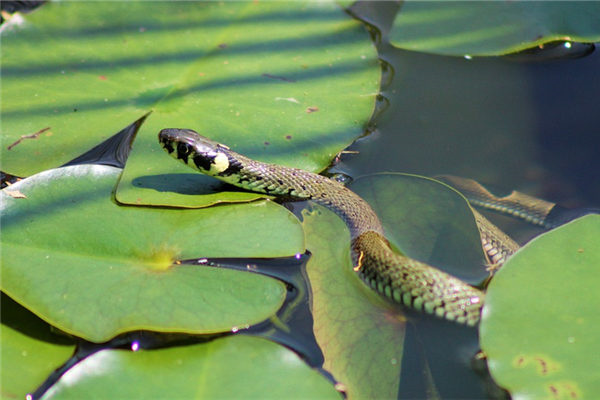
<point>401,279</point>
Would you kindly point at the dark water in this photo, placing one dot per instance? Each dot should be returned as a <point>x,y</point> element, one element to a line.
<point>526,122</point>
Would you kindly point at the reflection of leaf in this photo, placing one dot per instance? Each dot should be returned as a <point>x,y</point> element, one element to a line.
<point>221,68</point>
<point>239,367</point>
<point>29,351</point>
<point>548,293</point>
<point>360,335</point>
<point>427,220</point>
<point>492,27</point>
<point>95,269</point>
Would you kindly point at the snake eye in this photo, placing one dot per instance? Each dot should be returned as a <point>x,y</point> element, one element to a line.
<point>182,149</point>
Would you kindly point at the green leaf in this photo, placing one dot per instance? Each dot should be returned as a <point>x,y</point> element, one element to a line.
<point>30,352</point>
<point>487,28</point>
<point>540,320</point>
<point>361,336</point>
<point>426,220</point>
<point>233,367</point>
<point>96,269</point>
<point>287,82</point>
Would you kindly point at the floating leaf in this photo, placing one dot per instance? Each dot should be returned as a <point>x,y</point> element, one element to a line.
<point>30,352</point>
<point>361,336</point>
<point>96,269</point>
<point>540,320</point>
<point>489,28</point>
<point>243,73</point>
<point>231,367</point>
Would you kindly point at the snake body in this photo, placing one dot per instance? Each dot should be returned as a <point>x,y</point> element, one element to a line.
<point>402,279</point>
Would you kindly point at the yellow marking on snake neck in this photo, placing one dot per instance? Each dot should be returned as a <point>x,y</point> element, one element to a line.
<point>220,163</point>
<point>359,262</point>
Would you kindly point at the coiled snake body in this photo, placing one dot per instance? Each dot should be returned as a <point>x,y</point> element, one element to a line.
<point>399,278</point>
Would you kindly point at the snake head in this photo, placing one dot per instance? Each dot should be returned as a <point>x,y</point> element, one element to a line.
<point>194,150</point>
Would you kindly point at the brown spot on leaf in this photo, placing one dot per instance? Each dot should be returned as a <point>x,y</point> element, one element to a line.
<point>312,109</point>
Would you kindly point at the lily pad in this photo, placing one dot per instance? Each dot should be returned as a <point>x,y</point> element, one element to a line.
<point>287,82</point>
<point>232,367</point>
<point>361,336</point>
<point>426,220</point>
<point>547,293</point>
<point>30,352</point>
<point>488,28</point>
<point>95,269</point>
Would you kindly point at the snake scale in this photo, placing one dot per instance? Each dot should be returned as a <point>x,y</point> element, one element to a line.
<point>402,279</point>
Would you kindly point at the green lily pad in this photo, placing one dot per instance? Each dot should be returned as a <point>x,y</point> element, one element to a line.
<point>548,294</point>
<point>488,28</point>
<point>426,220</point>
<point>95,269</point>
<point>233,367</point>
<point>30,352</point>
<point>361,336</point>
<point>287,82</point>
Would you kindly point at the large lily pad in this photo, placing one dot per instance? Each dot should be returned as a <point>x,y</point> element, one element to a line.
<point>288,82</point>
<point>489,28</point>
<point>548,293</point>
<point>96,269</point>
<point>232,367</point>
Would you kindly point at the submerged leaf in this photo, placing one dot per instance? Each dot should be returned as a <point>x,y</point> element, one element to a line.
<point>427,220</point>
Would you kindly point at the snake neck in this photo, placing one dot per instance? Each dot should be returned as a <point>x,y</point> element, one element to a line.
<point>295,183</point>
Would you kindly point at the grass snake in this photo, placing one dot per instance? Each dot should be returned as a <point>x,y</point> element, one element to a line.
<point>402,279</point>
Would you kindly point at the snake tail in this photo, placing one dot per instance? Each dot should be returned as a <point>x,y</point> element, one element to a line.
<point>401,279</point>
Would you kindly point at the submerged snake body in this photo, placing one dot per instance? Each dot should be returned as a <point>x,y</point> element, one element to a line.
<point>399,278</point>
